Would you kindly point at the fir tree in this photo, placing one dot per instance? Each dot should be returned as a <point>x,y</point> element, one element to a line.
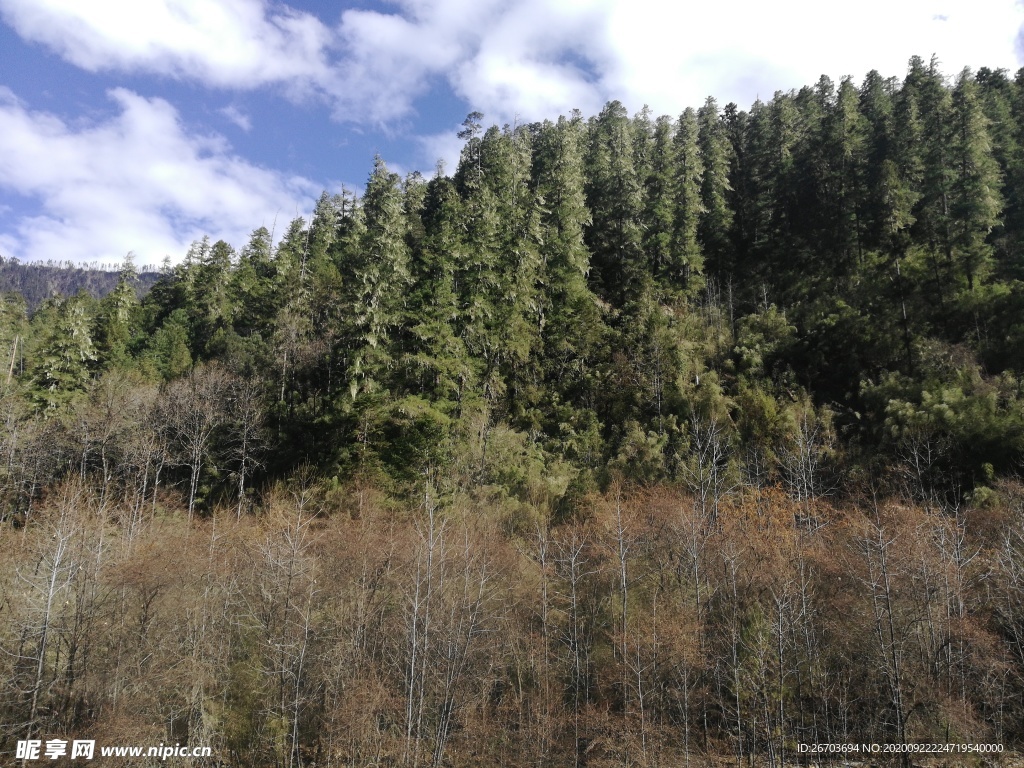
<point>691,196</point>
<point>615,199</point>
<point>659,209</point>
<point>975,202</point>
<point>715,213</point>
<point>65,355</point>
<point>381,281</point>
<point>117,318</point>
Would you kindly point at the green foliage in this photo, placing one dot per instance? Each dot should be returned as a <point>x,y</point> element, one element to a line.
<point>118,318</point>
<point>694,189</point>
<point>380,281</point>
<point>598,291</point>
<point>968,420</point>
<point>168,350</point>
<point>712,167</point>
<point>763,338</point>
<point>64,353</point>
<point>615,198</point>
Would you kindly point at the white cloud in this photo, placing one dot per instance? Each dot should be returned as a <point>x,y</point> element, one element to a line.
<point>504,58</point>
<point>671,56</point>
<point>533,58</point>
<point>528,58</point>
<point>444,147</point>
<point>225,43</point>
<point>238,117</point>
<point>388,61</point>
<point>136,182</point>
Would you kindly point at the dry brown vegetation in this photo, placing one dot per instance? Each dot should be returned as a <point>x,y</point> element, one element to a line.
<point>339,627</point>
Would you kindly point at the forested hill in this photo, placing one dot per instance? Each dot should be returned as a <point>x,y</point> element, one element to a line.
<point>633,438</point>
<point>845,260</point>
<point>38,281</point>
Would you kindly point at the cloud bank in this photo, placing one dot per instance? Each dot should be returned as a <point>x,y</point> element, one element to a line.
<point>533,58</point>
<point>222,43</point>
<point>136,182</point>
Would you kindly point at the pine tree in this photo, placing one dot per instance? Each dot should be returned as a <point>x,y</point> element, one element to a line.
<point>805,192</point>
<point>382,280</point>
<point>323,229</point>
<point>746,183</point>
<point>497,278</point>
<point>659,210</point>
<point>64,356</point>
<point>251,287</point>
<point>784,131</point>
<point>691,194</point>
<point>292,284</point>
<point>13,327</point>
<point>845,146</point>
<point>767,182</point>
<point>716,215</point>
<point>321,271</point>
<point>211,301</point>
<point>168,354</point>
<point>927,87</point>
<point>877,107</point>
<point>1011,265</point>
<point>435,361</point>
<point>615,199</point>
<point>897,170</point>
<point>571,325</point>
<point>1001,103</point>
<point>117,318</point>
<point>507,166</point>
<point>476,274</point>
<point>901,173</point>
<point>975,202</point>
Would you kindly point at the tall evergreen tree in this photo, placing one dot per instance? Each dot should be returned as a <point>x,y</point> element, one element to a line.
<point>516,323</point>
<point>322,271</point>
<point>715,160</point>
<point>117,318</point>
<point>211,300</point>
<point>934,225</point>
<point>572,327</point>
<point>689,208</point>
<point>1011,265</point>
<point>845,144</point>
<point>659,209</point>
<point>435,359</point>
<point>1001,103</point>
<point>745,183</point>
<point>877,107</point>
<point>975,202</point>
<point>381,281</point>
<point>64,355</point>
<point>615,199</point>
<point>252,286</point>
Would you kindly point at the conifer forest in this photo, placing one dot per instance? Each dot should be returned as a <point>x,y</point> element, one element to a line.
<point>629,441</point>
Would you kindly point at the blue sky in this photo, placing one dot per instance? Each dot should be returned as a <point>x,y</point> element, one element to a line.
<point>140,125</point>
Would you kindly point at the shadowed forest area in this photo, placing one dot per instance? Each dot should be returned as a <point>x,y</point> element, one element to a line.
<point>38,281</point>
<point>636,441</point>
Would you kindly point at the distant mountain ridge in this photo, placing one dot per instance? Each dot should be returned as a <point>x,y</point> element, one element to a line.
<point>38,281</point>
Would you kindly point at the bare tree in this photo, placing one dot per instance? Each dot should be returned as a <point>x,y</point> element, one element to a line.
<point>877,545</point>
<point>575,564</point>
<point>246,416</point>
<point>803,458</point>
<point>194,407</point>
<point>705,472</point>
